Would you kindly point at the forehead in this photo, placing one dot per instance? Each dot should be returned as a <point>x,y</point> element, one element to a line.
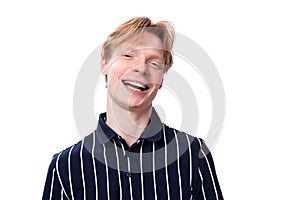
<point>146,42</point>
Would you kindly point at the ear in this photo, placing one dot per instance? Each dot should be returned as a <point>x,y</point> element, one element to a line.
<point>104,71</point>
<point>160,86</point>
<point>103,67</point>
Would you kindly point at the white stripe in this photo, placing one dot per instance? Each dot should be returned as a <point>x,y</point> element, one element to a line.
<point>82,171</point>
<point>190,159</point>
<point>202,185</point>
<point>52,181</point>
<point>124,153</point>
<point>61,194</point>
<point>141,166</point>
<point>94,165</point>
<point>178,165</point>
<point>107,176</point>
<point>153,171</point>
<point>58,175</point>
<point>130,183</point>
<point>213,180</point>
<point>69,170</point>
<point>166,162</point>
<point>118,165</point>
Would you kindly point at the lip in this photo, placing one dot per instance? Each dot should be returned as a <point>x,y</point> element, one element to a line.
<point>138,92</point>
<point>141,82</point>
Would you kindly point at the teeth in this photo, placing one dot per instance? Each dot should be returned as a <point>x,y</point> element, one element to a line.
<point>133,88</point>
<point>135,84</point>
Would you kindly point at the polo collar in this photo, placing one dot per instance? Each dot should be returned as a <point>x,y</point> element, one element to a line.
<point>152,132</point>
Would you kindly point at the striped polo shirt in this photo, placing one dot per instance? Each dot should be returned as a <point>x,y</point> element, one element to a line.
<point>163,163</point>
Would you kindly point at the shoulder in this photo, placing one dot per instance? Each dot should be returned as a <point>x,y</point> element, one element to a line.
<point>181,135</point>
<point>74,149</point>
<point>185,141</point>
<point>63,155</point>
<point>71,151</point>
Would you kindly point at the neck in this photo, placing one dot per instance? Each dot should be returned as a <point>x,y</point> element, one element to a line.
<point>128,123</point>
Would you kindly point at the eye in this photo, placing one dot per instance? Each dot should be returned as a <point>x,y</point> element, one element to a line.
<point>127,55</point>
<point>156,65</point>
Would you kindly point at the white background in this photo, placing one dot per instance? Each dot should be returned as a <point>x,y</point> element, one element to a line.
<point>255,46</point>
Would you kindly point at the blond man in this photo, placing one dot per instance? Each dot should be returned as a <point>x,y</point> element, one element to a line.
<point>132,154</point>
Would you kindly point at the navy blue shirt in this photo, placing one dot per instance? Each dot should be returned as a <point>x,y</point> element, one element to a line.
<point>163,163</point>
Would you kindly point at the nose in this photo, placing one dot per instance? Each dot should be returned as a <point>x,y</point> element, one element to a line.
<point>141,66</point>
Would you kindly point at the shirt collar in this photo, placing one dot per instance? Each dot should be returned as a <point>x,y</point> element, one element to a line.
<point>152,132</point>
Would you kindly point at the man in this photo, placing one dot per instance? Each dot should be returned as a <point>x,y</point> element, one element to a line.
<point>132,154</point>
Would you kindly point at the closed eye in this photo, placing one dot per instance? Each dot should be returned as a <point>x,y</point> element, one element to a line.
<point>127,55</point>
<point>130,56</point>
<point>156,65</point>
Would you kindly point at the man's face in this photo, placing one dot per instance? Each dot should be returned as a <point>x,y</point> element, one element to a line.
<point>135,74</point>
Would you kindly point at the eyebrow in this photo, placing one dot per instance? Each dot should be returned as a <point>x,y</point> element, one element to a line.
<point>155,55</point>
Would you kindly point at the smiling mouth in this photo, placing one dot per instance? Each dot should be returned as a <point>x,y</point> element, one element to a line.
<point>136,86</point>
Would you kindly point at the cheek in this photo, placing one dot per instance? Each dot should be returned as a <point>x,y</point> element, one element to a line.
<point>158,79</point>
<point>115,70</point>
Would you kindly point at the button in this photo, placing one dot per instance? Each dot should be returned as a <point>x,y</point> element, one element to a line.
<point>128,174</point>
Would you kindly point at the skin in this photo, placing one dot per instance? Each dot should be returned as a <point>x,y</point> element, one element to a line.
<point>128,109</point>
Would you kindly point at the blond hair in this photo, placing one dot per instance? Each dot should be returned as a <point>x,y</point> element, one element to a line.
<point>133,29</point>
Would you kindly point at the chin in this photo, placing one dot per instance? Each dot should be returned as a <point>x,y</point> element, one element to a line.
<point>138,106</point>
